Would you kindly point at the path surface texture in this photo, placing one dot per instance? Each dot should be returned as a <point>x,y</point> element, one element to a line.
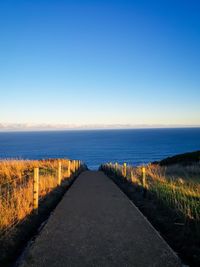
<point>95,224</point>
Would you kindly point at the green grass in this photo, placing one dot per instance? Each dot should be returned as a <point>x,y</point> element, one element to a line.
<point>170,199</point>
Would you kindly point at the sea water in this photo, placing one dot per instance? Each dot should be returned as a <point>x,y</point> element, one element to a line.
<point>135,146</point>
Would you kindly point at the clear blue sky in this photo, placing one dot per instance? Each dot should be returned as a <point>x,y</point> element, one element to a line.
<point>100,62</point>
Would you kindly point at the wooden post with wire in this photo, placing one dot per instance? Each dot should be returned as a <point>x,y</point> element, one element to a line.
<point>59,172</point>
<point>132,176</point>
<point>144,181</point>
<point>69,169</point>
<point>78,166</point>
<point>116,167</point>
<point>74,166</point>
<point>124,170</point>
<point>35,189</point>
<point>143,177</point>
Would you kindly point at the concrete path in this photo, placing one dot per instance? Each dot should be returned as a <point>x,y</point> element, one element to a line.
<point>95,224</point>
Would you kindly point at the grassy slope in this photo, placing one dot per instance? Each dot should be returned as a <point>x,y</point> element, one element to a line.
<point>16,197</point>
<point>183,159</point>
<point>171,200</point>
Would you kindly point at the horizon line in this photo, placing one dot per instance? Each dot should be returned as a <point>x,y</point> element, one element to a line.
<point>27,127</point>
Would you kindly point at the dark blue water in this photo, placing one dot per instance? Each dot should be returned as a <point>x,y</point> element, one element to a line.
<point>95,147</point>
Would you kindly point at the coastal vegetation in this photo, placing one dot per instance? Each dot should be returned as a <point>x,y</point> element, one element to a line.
<point>169,195</point>
<point>167,192</point>
<point>19,217</point>
<point>184,159</point>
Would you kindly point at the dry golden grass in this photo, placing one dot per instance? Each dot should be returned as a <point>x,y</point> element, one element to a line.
<point>176,186</point>
<point>16,169</point>
<point>170,200</point>
<point>16,187</point>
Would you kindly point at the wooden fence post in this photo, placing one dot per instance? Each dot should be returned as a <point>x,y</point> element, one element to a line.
<point>74,166</point>
<point>132,176</point>
<point>35,189</point>
<point>124,169</point>
<point>79,165</point>
<point>143,177</point>
<point>69,169</point>
<point>59,172</point>
<point>116,167</point>
<point>144,182</point>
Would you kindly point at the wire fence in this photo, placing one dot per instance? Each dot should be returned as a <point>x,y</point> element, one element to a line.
<point>15,203</point>
<point>22,193</point>
<point>181,195</point>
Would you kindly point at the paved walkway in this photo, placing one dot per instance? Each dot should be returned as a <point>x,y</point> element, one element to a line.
<point>95,224</point>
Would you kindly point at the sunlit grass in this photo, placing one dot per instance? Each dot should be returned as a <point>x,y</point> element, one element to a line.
<point>176,186</point>
<point>16,187</point>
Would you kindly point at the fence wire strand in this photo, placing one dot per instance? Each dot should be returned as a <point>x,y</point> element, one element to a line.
<point>178,194</point>
<point>16,195</point>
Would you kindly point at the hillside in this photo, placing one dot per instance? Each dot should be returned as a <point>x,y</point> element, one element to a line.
<point>184,159</point>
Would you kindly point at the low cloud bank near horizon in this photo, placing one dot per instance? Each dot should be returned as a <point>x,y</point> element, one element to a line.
<point>53,127</point>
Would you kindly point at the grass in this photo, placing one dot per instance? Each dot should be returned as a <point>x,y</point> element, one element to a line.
<point>16,185</point>
<point>172,186</point>
<point>170,198</point>
<point>17,220</point>
<point>183,159</point>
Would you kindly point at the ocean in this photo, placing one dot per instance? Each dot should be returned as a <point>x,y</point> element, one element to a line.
<point>134,146</point>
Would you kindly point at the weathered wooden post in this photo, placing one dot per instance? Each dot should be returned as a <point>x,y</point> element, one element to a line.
<point>143,177</point>
<point>116,167</point>
<point>69,169</point>
<point>132,176</point>
<point>35,189</point>
<point>78,165</point>
<point>74,166</point>
<point>144,181</point>
<point>59,172</point>
<point>124,169</point>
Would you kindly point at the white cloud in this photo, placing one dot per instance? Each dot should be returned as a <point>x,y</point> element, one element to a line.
<point>46,127</point>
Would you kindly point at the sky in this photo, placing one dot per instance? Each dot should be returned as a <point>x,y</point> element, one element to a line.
<point>84,63</point>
